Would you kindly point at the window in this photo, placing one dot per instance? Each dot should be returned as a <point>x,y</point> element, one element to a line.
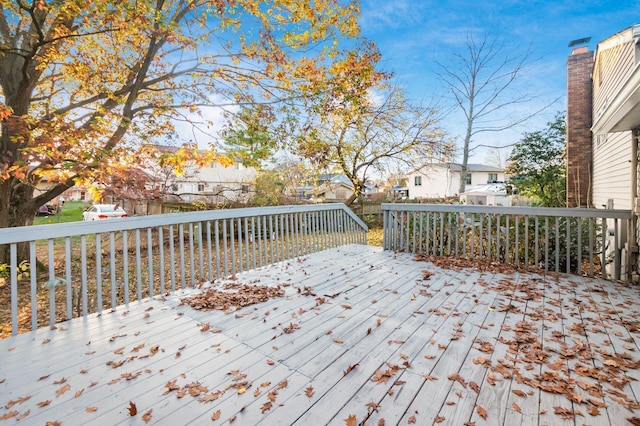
<point>417,181</point>
<point>468,182</point>
<point>174,187</point>
<point>201,187</point>
<point>493,177</point>
<point>245,189</point>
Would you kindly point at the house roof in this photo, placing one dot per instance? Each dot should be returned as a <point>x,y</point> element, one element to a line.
<point>471,167</point>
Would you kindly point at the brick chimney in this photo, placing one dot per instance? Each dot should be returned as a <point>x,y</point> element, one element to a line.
<point>579,120</point>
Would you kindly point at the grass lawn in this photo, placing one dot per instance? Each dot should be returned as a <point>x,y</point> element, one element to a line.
<point>71,212</point>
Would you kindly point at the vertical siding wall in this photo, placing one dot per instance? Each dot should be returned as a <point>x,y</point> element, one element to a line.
<point>612,173</point>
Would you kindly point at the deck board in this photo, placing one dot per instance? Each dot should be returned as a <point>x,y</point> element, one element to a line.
<point>379,315</point>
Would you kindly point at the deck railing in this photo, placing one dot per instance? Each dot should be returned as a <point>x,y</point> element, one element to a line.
<point>593,242</point>
<point>75,269</point>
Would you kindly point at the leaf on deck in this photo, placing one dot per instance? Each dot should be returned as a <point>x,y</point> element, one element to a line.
<point>351,420</point>
<point>63,389</point>
<point>132,409</point>
<point>481,411</point>
<point>349,369</point>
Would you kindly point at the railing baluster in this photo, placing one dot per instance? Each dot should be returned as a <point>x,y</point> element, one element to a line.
<point>52,282</point>
<point>172,257</point>
<point>526,241</point>
<point>67,263</point>
<point>217,238</point>
<point>13,262</point>
<point>112,268</point>
<point>209,253</point>
<point>98,251</point>
<point>225,249</point>
<point>537,248</point>
<point>183,278</point>
<point>232,243</point>
<point>33,275</point>
<point>546,243</point>
<point>192,265</point>
<point>125,267</point>
<point>150,262</point>
<point>568,245</point>
<point>161,270</point>
<point>83,286</point>
<point>557,247</point>
<point>591,246</point>
<point>579,254</point>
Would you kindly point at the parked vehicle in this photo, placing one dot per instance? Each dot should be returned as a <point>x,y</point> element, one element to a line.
<point>103,211</point>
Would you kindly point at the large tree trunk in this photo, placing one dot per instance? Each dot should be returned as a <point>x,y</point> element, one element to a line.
<point>17,208</point>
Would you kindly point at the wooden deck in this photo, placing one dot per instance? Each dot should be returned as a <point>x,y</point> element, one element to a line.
<point>361,335</point>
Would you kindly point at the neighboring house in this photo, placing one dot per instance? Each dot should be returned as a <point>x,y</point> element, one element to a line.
<point>329,188</point>
<point>214,183</point>
<point>332,192</point>
<point>489,194</point>
<point>441,180</point>
<point>603,126</point>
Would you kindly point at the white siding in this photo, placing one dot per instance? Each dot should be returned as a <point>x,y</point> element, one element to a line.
<point>612,171</point>
<point>440,182</point>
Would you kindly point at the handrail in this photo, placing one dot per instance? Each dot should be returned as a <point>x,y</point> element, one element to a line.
<point>16,235</point>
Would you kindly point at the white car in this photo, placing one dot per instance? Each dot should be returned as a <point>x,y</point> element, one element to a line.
<point>103,211</point>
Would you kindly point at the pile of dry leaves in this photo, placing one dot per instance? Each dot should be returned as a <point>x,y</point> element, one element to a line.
<point>232,296</point>
<point>457,263</point>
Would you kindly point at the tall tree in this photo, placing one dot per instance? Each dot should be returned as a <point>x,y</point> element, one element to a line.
<point>358,139</point>
<point>82,82</point>
<point>250,138</point>
<point>481,79</point>
<point>537,164</point>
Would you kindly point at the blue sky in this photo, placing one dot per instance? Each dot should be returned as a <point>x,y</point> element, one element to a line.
<point>412,34</point>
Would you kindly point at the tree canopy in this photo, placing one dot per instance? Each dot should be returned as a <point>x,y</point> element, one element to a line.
<point>83,83</point>
<point>537,164</point>
<point>356,140</point>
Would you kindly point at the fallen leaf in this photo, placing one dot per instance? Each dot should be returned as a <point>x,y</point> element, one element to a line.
<point>9,414</point>
<point>133,410</point>
<point>43,403</point>
<point>429,377</point>
<point>337,340</point>
<point>216,415</point>
<point>283,384</point>
<point>439,419</point>
<point>23,415</point>
<point>266,407</point>
<point>349,369</point>
<point>63,389</point>
<point>17,401</point>
<point>516,407</point>
<point>351,420</point>
<point>520,393</point>
<point>309,391</point>
<point>411,420</point>
<point>91,409</point>
<point>481,412</point>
